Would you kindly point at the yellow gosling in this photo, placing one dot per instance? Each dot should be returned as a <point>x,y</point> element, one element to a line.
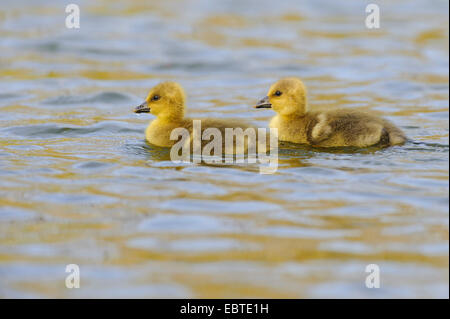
<point>167,102</point>
<point>333,128</point>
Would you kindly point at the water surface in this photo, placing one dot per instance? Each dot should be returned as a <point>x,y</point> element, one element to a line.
<point>79,185</point>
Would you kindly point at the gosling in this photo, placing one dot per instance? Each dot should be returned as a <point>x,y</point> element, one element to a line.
<point>333,128</point>
<point>167,102</point>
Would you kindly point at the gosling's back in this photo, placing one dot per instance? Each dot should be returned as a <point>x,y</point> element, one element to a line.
<point>345,127</point>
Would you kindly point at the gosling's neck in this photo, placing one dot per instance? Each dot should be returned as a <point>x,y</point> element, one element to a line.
<point>169,118</point>
<point>293,117</point>
<point>292,128</point>
<point>300,114</point>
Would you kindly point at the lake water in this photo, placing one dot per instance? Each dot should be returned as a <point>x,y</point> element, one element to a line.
<point>79,185</point>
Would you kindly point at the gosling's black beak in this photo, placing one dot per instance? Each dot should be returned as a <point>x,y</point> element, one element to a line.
<point>143,108</point>
<point>263,104</point>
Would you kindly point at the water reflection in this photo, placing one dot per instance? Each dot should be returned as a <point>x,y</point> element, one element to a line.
<point>80,185</point>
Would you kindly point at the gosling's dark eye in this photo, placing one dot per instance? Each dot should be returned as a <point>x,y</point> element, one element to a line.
<point>155,98</point>
<point>277,93</point>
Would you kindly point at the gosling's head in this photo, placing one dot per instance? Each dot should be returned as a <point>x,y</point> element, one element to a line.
<point>287,97</point>
<point>165,100</point>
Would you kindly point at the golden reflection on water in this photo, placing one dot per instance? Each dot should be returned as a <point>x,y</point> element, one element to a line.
<point>80,185</point>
